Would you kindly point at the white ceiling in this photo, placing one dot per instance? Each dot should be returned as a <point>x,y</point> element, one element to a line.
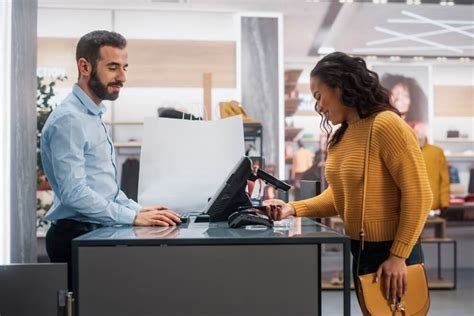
<point>356,28</point>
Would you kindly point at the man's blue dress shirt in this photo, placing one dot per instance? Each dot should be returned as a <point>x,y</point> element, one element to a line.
<point>79,161</point>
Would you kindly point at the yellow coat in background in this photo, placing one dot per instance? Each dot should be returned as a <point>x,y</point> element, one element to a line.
<point>438,174</point>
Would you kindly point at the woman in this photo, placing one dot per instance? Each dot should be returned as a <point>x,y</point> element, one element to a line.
<point>398,192</point>
<point>407,97</point>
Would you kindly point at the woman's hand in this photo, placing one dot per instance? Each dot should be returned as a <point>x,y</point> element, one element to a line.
<point>278,210</point>
<point>393,273</point>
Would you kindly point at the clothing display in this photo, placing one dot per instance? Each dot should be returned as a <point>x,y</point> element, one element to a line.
<point>302,161</point>
<point>454,175</point>
<point>438,174</point>
<point>175,114</point>
<point>79,161</point>
<point>397,169</point>
<point>129,180</point>
<point>471,181</point>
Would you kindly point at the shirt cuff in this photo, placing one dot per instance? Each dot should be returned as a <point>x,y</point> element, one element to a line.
<point>401,249</point>
<point>301,209</point>
<point>126,216</point>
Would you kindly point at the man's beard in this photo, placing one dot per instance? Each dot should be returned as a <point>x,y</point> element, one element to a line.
<point>100,89</point>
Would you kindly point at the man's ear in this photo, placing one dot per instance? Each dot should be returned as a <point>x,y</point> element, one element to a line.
<point>84,67</point>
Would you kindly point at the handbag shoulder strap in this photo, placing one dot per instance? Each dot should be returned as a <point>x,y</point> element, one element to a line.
<point>366,172</point>
<point>364,198</point>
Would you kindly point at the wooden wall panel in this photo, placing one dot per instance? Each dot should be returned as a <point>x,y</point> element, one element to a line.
<point>155,63</point>
<point>454,101</point>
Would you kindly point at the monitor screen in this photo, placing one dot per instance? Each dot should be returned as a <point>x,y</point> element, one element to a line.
<point>231,194</point>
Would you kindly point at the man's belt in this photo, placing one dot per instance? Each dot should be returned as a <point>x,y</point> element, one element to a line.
<point>76,225</point>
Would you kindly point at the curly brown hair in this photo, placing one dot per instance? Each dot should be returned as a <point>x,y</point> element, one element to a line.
<point>418,111</point>
<point>360,88</point>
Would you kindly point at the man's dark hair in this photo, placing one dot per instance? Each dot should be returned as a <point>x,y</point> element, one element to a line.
<point>89,45</point>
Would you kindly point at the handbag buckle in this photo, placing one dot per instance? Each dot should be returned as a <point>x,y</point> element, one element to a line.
<point>398,307</point>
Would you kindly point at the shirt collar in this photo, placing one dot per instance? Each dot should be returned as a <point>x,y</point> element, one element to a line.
<point>87,101</point>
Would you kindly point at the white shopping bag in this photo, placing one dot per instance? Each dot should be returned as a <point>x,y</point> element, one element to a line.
<point>184,162</point>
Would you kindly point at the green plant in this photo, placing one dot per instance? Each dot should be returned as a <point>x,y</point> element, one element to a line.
<point>44,106</point>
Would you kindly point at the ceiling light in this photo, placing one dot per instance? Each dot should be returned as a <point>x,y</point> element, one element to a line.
<point>395,58</point>
<point>383,1</point>
<point>441,58</point>
<point>443,2</point>
<point>464,59</point>
<point>371,57</point>
<point>409,2</point>
<point>375,1</point>
<point>326,50</point>
<point>417,2</point>
<point>450,3</point>
<point>418,58</point>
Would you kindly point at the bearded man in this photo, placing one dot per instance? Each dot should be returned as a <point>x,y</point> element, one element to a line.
<point>79,157</point>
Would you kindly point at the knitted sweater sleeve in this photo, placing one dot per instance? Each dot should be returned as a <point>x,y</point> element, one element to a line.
<point>402,157</point>
<point>318,206</point>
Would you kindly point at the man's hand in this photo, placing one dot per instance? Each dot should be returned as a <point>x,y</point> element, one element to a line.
<point>278,210</point>
<point>156,215</point>
<point>393,274</point>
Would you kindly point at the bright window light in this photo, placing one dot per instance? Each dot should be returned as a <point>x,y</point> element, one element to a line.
<point>5,46</point>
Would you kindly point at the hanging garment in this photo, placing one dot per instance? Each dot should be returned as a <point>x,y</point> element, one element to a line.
<point>129,181</point>
<point>175,114</point>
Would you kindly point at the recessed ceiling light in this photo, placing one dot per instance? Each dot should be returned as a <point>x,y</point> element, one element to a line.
<point>395,58</point>
<point>441,58</point>
<point>443,2</point>
<point>465,59</point>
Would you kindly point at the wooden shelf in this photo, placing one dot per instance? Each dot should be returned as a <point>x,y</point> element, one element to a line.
<point>128,145</point>
<point>460,156</point>
<point>291,106</point>
<point>454,140</point>
<point>306,113</point>
<point>291,133</point>
<point>125,123</point>
<point>291,79</point>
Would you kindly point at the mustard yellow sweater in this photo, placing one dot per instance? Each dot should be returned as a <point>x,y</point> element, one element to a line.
<point>438,174</point>
<point>398,193</point>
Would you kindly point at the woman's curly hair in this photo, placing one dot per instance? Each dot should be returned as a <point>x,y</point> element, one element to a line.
<point>360,88</point>
<point>418,110</point>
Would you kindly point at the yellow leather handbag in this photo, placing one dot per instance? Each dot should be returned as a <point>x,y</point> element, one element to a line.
<point>416,302</point>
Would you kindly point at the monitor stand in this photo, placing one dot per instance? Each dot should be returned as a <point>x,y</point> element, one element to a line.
<point>202,218</point>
